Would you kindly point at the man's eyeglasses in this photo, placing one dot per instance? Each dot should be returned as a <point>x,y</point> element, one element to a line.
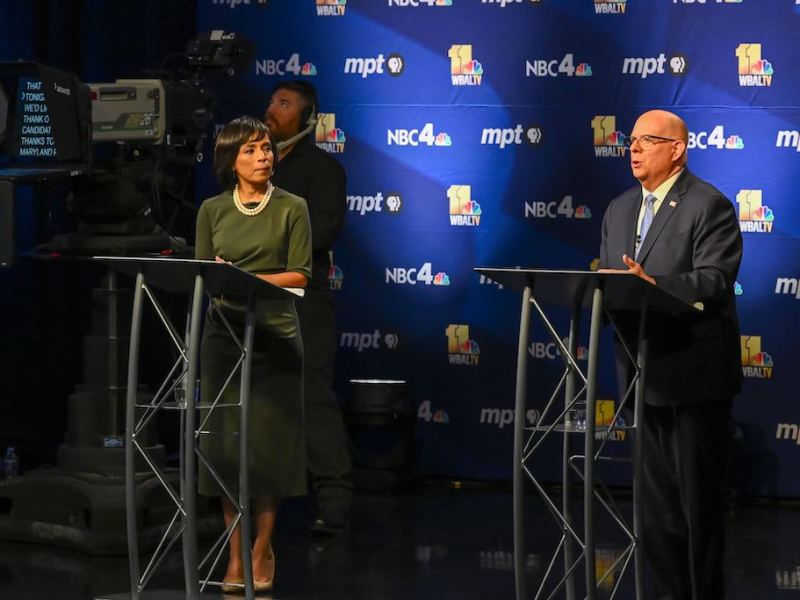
<point>646,142</point>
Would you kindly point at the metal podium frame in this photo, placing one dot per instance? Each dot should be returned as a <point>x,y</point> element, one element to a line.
<point>195,277</point>
<point>604,294</point>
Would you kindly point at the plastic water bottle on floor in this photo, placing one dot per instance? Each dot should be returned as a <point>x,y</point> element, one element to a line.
<point>10,464</point>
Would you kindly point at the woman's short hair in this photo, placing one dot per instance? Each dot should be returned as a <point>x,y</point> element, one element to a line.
<point>232,137</point>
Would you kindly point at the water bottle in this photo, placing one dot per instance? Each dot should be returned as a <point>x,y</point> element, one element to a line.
<point>10,464</point>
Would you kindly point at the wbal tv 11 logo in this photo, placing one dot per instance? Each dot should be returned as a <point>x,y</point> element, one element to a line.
<point>460,349</point>
<point>602,7</point>
<point>608,142</point>
<point>464,211</point>
<point>754,71</point>
<point>754,216</point>
<point>464,70</point>
<point>755,362</point>
<point>331,8</point>
<point>335,277</point>
<point>329,137</point>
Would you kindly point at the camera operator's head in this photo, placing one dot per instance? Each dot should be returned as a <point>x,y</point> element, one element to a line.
<point>292,110</point>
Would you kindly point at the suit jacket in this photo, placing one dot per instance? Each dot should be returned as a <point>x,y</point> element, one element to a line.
<point>693,250</point>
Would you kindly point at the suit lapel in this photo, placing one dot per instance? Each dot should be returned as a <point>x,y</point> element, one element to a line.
<point>629,221</point>
<point>668,207</point>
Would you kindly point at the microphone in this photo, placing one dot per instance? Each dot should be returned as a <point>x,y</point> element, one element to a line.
<point>311,124</point>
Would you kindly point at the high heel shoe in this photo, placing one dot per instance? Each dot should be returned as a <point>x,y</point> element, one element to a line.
<point>266,586</point>
<point>232,586</point>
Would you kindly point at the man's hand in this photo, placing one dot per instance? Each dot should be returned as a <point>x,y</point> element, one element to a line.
<point>634,268</point>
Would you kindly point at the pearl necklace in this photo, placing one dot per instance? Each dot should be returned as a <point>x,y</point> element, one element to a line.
<point>262,204</point>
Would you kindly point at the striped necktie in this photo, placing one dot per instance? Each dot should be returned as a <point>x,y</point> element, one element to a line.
<point>647,220</point>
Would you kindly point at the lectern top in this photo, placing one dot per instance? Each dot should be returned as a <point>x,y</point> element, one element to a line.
<point>177,275</point>
<point>621,291</point>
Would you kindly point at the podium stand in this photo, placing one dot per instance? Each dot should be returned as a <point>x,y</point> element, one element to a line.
<point>195,278</point>
<point>605,294</point>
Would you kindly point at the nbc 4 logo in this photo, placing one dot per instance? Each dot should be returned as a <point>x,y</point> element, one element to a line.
<point>754,71</point>
<point>716,138</point>
<point>549,210</point>
<point>753,215</point>
<point>464,70</point>
<point>608,141</point>
<point>331,8</point>
<point>461,350</point>
<point>417,137</point>
<point>755,362</point>
<point>413,276</point>
<point>464,211</point>
<point>329,137</point>
<point>553,68</point>
<point>280,67</point>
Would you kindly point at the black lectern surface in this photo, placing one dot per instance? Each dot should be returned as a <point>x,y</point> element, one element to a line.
<point>176,275</point>
<point>621,291</point>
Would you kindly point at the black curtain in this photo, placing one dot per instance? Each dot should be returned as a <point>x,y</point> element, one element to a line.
<point>45,306</point>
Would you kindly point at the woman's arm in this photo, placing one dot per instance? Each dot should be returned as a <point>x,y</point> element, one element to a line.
<point>286,279</point>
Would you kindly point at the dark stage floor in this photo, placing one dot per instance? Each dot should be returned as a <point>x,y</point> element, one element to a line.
<point>436,543</point>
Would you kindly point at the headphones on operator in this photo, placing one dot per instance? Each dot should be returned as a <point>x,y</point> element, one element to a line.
<point>309,117</point>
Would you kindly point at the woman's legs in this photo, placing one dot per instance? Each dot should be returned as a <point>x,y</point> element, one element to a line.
<point>266,510</point>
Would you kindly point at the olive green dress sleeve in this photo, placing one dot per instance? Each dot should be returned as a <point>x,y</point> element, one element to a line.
<point>299,256</point>
<point>203,245</point>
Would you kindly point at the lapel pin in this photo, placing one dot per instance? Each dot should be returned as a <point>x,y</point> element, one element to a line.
<point>673,204</point>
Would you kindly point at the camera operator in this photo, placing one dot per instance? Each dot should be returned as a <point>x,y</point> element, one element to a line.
<point>306,170</point>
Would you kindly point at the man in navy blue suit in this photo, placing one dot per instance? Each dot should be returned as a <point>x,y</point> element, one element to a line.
<point>681,234</point>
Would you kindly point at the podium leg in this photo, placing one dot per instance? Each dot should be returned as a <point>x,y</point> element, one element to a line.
<point>244,482</point>
<point>519,434</point>
<point>638,469</point>
<point>566,476</point>
<point>588,474</point>
<point>130,424</point>
<point>189,467</point>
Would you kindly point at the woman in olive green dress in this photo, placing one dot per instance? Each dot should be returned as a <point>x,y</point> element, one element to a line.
<point>265,231</point>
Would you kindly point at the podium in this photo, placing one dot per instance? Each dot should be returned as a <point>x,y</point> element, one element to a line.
<point>195,278</point>
<point>604,294</point>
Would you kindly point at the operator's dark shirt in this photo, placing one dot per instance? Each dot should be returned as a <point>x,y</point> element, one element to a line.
<point>315,175</point>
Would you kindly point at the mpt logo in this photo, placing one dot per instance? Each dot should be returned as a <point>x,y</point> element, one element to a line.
<point>645,67</point>
<point>553,68</point>
<point>716,138</point>
<point>281,67</point>
<point>371,66</point>
<point>412,276</point>
<point>365,204</point>
<point>415,137</point>
<point>549,210</point>
<point>235,3</point>
<point>374,340</point>
<point>511,136</point>
<point>788,139</point>
<point>502,3</point>
<point>787,285</point>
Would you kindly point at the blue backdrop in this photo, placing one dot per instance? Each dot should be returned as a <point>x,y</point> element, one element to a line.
<point>489,132</point>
